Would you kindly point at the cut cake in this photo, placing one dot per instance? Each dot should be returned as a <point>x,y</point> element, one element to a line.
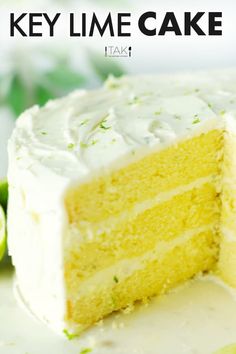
<point>122,193</point>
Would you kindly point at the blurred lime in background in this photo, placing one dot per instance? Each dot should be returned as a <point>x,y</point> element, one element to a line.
<point>2,232</point>
<point>33,82</point>
<point>3,194</point>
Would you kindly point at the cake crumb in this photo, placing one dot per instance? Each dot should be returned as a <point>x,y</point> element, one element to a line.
<point>107,343</point>
<point>128,309</point>
<point>117,325</point>
<point>99,323</point>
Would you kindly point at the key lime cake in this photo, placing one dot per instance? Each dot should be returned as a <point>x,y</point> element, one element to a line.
<point>122,193</point>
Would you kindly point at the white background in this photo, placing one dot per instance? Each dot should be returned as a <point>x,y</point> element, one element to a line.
<point>149,54</point>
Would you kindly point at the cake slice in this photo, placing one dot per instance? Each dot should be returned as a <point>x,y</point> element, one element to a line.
<point>119,194</point>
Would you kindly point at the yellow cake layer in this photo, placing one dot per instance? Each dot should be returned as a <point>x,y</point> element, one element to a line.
<point>228,196</point>
<point>228,212</point>
<point>91,230</point>
<point>197,254</point>
<point>229,166</point>
<point>158,172</point>
<point>163,222</point>
<point>227,260</point>
<point>227,256</point>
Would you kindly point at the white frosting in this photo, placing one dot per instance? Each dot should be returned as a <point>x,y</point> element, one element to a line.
<point>88,131</point>
<point>73,138</point>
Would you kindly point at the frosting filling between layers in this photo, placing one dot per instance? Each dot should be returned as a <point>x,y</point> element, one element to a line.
<point>125,267</point>
<point>89,231</point>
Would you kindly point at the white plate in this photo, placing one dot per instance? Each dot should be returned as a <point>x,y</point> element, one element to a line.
<point>197,318</point>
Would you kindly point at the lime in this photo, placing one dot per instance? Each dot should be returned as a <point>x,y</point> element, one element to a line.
<point>3,194</point>
<point>229,349</point>
<point>2,232</point>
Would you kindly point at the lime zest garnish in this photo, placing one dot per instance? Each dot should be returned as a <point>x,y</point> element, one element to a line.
<point>86,351</point>
<point>94,141</point>
<point>70,146</point>
<point>135,100</point>
<point>222,112</point>
<point>177,116</point>
<point>83,145</point>
<point>69,335</point>
<point>84,122</point>
<point>196,119</point>
<point>157,113</point>
<point>102,126</point>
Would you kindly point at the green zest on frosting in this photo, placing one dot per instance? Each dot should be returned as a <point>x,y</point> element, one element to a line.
<point>177,117</point>
<point>94,141</point>
<point>70,146</point>
<point>102,126</point>
<point>222,112</point>
<point>196,119</point>
<point>157,113</point>
<point>83,145</point>
<point>69,335</point>
<point>84,122</point>
<point>86,351</point>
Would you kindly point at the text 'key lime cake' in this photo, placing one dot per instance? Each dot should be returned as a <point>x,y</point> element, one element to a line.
<point>121,193</point>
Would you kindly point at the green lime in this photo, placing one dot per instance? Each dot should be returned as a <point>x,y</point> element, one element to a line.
<point>2,232</point>
<point>3,194</point>
<point>229,349</point>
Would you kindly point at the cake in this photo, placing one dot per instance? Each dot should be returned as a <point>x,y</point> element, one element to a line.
<point>121,193</point>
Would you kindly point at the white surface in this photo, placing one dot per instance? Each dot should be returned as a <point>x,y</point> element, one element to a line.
<point>149,54</point>
<point>197,318</point>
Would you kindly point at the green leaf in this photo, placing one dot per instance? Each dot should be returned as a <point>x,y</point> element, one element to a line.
<point>104,67</point>
<point>17,95</point>
<point>43,94</point>
<point>57,82</point>
<point>63,78</point>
